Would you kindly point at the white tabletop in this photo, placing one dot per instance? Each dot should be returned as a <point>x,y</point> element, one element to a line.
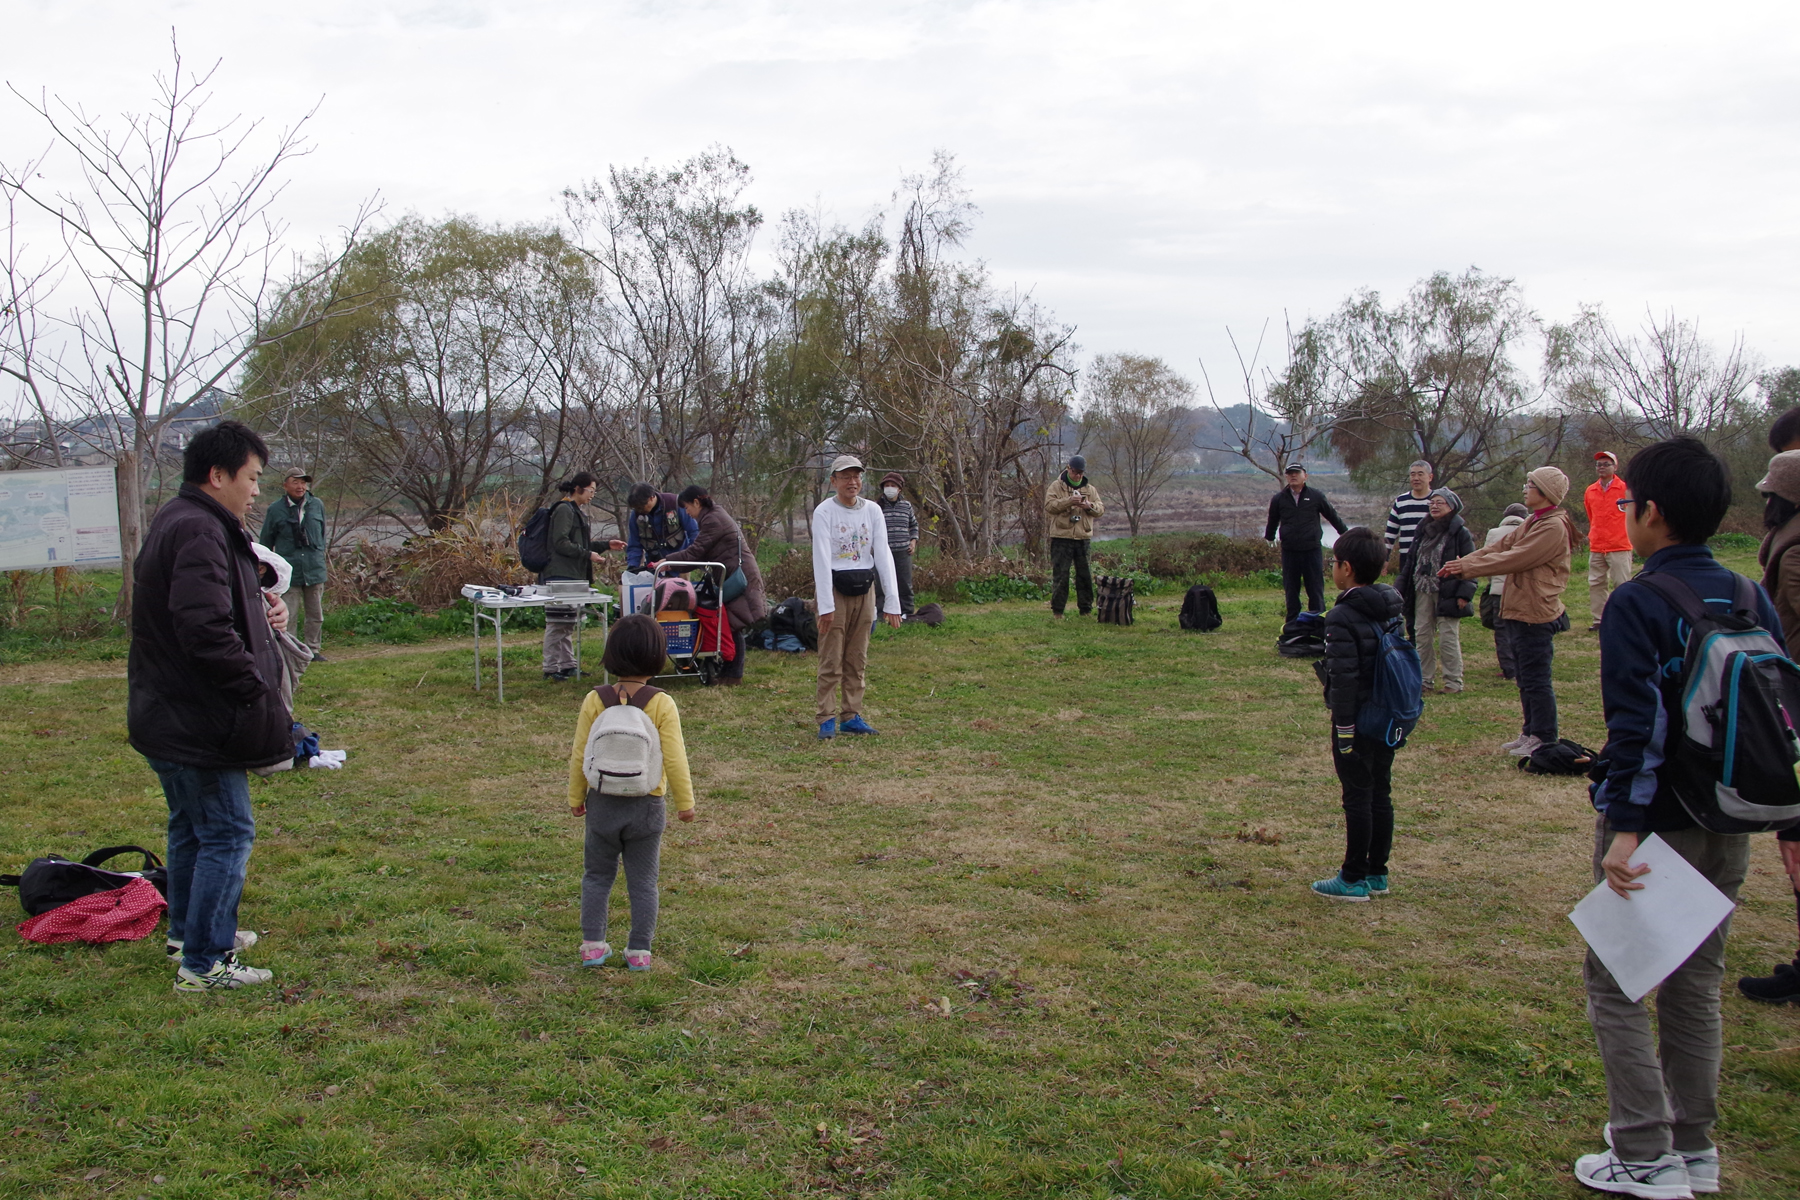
<point>488,597</point>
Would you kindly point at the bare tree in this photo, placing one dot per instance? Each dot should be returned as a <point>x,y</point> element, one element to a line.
<point>1134,422</point>
<point>1661,382</point>
<point>1281,418</point>
<point>168,240</point>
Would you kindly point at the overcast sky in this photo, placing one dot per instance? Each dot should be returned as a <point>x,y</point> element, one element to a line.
<point>1153,172</point>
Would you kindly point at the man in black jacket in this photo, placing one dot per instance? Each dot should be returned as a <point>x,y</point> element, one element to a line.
<point>205,699</point>
<point>1295,512</point>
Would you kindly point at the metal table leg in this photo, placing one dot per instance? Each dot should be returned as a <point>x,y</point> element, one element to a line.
<point>500,653</point>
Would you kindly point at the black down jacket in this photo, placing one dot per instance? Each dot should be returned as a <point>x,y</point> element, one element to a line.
<point>205,672</point>
<point>1352,641</point>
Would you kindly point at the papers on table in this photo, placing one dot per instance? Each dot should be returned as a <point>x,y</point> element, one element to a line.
<point>1643,939</point>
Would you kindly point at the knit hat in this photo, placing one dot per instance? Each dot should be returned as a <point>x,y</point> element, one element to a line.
<point>1783,478</point>
<point>895,478</point>
<point>1550,481</point>
<point>1516,510</point>
<point>1450,498</point>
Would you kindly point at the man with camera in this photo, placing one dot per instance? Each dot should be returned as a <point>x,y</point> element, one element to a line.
<point>1073,505</point>
<point>294,527</point>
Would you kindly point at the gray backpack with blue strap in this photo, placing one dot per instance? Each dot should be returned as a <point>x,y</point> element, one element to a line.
<point>1735,737</point>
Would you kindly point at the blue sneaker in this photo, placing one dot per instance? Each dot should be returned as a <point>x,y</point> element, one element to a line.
<point>827,730</point>
<point>1377,884</point>
<point>856,725</point>
<point>1336,889</point>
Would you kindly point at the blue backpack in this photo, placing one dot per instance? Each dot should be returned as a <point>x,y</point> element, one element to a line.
<point>1398,699</point>
<point>1732,744</point>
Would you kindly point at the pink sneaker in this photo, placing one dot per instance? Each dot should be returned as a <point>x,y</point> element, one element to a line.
<point>637,960</point>
<point>595,954</point>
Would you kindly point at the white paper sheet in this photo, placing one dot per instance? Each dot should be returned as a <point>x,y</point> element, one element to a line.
<point>1643,939</point>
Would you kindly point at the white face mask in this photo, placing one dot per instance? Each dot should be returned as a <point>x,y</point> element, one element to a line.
<point>892,493</point>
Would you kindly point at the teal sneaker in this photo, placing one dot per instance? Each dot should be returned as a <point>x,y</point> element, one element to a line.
<point>1336,889</point>
<point>855,725</point>
<point>1377,884</point>
<point>827,729</point>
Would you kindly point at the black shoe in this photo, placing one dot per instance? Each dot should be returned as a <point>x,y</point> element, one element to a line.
<point>1783,987</point>
<point>558,676</point>
<point>317,657</point>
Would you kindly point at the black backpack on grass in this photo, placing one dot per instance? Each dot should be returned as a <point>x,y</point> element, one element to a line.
<point>52,881</point>
<point>794,617</point>
<point>1200,610</point>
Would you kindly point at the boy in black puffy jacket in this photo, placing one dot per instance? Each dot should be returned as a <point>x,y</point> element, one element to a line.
<point>1364,765</point>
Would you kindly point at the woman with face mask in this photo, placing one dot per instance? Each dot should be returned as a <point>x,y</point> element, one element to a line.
<point>902,533</point>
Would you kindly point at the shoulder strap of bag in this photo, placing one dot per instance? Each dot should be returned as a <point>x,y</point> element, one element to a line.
<point>641,698</point>
<point>9,881</point>
<point>1746,598</point>
<point>1677,593</point>
<point>609,695</point>
<point>100,856</point>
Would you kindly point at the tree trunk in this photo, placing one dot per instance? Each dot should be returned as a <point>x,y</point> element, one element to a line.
<point>131,527</point>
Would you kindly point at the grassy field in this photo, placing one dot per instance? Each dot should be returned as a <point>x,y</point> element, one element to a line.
<point>1048,935</point>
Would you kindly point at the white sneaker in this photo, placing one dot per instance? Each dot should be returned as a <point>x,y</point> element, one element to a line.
<point>245,939</point>
<point>1509,747</point>
<point>1526,746</point>
<point>1664,1179</point>
<point>227,973</point>
<point>1702,1165</point>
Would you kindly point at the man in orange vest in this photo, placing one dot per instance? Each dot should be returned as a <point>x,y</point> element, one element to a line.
<point>1609,550</point>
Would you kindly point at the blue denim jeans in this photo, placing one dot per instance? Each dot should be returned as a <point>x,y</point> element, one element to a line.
<point>210,835</point>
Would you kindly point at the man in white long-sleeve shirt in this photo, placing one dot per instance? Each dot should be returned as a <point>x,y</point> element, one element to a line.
<point>849,550</point>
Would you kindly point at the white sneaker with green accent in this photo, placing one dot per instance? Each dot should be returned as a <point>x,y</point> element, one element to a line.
<point>245,939</point>
<point>1664,1179</point>
<point>226,974</point>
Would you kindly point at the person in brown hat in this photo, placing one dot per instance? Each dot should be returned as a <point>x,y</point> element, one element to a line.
<point>1609,550</point>
<point>902,535</point>
<point>1535,560</point>
<point>1780,559</point>
<point>294,527</point>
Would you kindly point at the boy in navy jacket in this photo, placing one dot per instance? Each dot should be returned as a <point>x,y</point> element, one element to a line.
<point>1662,1088</point>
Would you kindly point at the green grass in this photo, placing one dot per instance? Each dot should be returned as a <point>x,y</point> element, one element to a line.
<point>1048,935</point>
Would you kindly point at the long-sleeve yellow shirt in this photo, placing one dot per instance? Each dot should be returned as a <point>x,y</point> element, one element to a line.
<point>676,783</point>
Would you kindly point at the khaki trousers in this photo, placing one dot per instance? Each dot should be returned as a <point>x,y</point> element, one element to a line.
<point>1662,1087</point>
<point>312,599</point>
<point>844,655</point>
<point>1437,638</point>
<point>1605,572</point>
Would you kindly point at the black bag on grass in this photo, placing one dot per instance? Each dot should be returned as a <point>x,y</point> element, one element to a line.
<point>792,616</point>
<point>1302,637</point>
<point>1200,609</point>
<point>1561,757</point>
<point>52,881</point>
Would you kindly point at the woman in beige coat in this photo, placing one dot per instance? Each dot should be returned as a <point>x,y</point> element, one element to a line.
<point>1535,560</point>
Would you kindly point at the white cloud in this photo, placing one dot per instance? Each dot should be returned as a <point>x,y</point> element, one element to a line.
<point>1153,171</point>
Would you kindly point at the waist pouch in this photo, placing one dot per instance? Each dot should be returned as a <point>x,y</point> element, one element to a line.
<point>852,583</point>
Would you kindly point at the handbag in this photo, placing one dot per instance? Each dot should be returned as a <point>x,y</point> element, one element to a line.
<point>851,583</point>
<point>734,586</point>
<point>52,881</point>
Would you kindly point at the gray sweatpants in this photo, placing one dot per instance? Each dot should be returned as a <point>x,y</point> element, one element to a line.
<point>628,827</point>
<point>1663,1088</point>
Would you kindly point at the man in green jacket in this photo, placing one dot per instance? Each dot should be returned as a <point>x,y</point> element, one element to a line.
<point>294,527</point>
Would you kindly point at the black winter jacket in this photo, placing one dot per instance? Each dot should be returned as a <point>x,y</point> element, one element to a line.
<point>205,669</point>
<point>1297,518</point>
<point>1352,642</point>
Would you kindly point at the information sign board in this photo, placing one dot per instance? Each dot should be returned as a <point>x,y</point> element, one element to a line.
<point>58,518</point>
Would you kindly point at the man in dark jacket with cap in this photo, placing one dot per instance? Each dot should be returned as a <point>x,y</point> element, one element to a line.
<point>294,527</point>
<point>205,702</point>
<point>1295,513</point>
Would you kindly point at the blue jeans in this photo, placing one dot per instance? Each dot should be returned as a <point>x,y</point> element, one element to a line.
<point>210,835</point>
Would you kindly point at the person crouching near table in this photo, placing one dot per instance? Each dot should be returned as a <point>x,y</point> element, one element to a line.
<point>849,550</point>
<point>627,734</point>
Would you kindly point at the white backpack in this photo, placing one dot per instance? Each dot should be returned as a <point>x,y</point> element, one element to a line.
<point>624,750</point>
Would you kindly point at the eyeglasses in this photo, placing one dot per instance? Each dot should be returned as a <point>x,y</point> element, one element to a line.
<point>1624,502</point>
